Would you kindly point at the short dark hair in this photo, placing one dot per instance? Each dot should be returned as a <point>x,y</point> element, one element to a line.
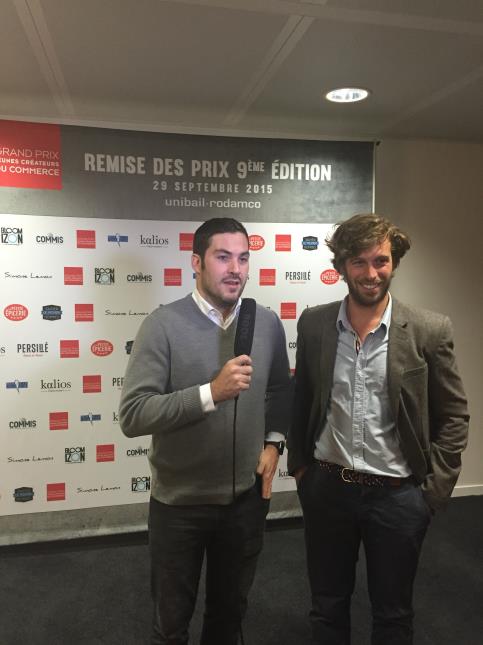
<point>205,232</point>
<point>360,233</point>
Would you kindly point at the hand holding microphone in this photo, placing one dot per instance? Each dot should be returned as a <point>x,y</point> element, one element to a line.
<point>234,377</point>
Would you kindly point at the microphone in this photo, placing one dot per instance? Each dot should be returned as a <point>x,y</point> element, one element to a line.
<point>245,327</point>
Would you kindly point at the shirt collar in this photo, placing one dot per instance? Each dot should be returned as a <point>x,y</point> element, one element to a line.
<point>213,313</point>
<point>343,321</point>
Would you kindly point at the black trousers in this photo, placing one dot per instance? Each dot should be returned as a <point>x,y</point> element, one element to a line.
<point>391,522</point>
<point>180,536</point>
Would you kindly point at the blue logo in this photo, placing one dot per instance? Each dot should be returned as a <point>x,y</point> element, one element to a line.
<point>90,417</point>
<point>51,312</point>
<point>23,494</point>
<point>17,385</point>
<point>117,238</point>
<point>310,243</point>
<point>128,346</point>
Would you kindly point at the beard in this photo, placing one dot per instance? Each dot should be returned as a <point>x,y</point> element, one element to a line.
<point>366,299</point>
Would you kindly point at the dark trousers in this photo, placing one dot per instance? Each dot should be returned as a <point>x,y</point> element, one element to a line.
<point>391,523</point>
<point>180,536</point>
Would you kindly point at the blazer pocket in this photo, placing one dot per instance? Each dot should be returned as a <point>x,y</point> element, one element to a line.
<point>415,371</point>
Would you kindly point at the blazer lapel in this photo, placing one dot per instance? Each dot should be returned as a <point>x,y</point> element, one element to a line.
<point>328,351</point>
<point>396,359</point>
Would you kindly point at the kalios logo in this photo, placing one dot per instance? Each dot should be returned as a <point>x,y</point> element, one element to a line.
<point>117,238</point>
<point>54,385</point>
<point>12,236</point>
<point>23,494</point>
<point>310,243</point>
<point>104,275</point>
<point>140,277</point>
<point>75,455</point>
<point>15,312</point>
<point>140,484</point>
<point>50,238</point>
<point>23,424</point>
<point>51,312</point>
<point>153,241</point>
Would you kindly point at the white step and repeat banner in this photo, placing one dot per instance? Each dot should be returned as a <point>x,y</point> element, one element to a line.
<point>96,232</point>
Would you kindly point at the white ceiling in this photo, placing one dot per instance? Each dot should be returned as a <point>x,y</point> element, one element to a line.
<point>257,67</point>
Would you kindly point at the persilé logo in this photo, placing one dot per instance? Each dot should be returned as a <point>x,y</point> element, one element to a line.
<point>118,239</point>
<point>50,238</point>
<point>140,278</point>
<point>256,242</point>
<point>310,243</point>
<point>69,348</point>
<point>73,275</point>
<point>54,385</point>
<point>58,420</point>
<point>267,277</point>
<point>12,235</point>
<point>172,277</point>
<point>33,349</point>
<point>102,348</point>
<point>283,242</point>
<point>186,241</point>
<point>86,239</point>
<point>153,241</point>
<point>137,452</point>
<point>23,494</point>
<point>141,484</point>
<point>91,383</point>
<point>56,492</point>
<point>128,346</point>
<point>288,310</point>
<point>329,276</point>
<point>51,312</point>
<point>104,275</point>
<point>117,382</point>
<point>75,455</point>
<point>84,312</point>
<point>105,452</point>
<point>17,385</point>
<point>90,417</point>
<point>23,424</point>
<point>297,277</point>
<point>15,312</point>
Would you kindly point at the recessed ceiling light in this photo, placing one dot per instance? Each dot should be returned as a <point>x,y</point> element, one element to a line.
<point>347,95</point>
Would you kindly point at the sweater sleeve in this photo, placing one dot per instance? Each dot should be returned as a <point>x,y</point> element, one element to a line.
<point>147,405</point>
<point>278,396</point>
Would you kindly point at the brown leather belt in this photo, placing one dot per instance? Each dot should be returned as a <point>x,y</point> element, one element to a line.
<point>365,479</point>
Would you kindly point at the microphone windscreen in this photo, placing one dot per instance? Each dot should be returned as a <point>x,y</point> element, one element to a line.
<point>245,327</point>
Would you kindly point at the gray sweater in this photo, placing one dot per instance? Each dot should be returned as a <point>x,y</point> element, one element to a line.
<point>176,350</point>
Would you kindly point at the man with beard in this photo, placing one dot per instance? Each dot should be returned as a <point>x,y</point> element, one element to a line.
<point>181,384</point>
<point>380,421</point>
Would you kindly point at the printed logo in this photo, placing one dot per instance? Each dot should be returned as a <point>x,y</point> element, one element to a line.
<point>128,346</point>
<point>297,277</point>
<point>267,277</point>
<point>140,484</point>
<point>105,452</point>
<point>256,242</point>
<point>12,236</point>
<point>69,349</point>
<point>58,420</point>
<point>117,381</point>
<point>329,276</point>
<point>23,424</point>
<point>49,239</point>
<point>30,155</point>
<point>23,494</point>
<point>73,275</point>
<point>115,418</point>
<point>75,455</point>
<point>186,241</point>
<point>56,492</point>
<point>153,241</point>
<point>288,310</point>
<point>54,385</point>
<point>84,313</point>
<point>137,452</point>
<point>102,348</point>
<point>3,350</point>
<point>51,312</point>
<point>32,349</point>
<point>118,238</point>
<point>172,277</point>
<point>86,239</point>
<point>104,275</point>
<point>15,312</point>
<point>310,243</point>
<point>91,383</point>
<point>139,277</point>
<point>90,417</point>
<point>17,385</point>
<point>283,242</point>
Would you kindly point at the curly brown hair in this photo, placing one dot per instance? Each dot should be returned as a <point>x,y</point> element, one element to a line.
<point>361,232</point>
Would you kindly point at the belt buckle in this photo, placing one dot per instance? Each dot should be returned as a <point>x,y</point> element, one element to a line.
<point>342,474</point>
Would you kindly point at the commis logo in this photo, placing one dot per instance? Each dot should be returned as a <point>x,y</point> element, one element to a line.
<point>56,492</point>
<point>118,238</point>
<point>84,312</point>
<point>12,236</point>
<point>86,239</point>
<point>58,420</point>
<point>15,312</point>
<point>91,383</point>
<point>172,277</point>
<point>329,276</point>
<point>102,348</point>
<point>105,452</point>
<point>186,241</point>
<point>73,275</point>
<point>69,349</point>
<point>256,242</point>
<point>267,277</point>
<point>288,310</point>
<point>283,242</point>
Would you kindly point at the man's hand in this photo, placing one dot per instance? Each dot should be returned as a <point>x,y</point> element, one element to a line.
<point>234,377</point>
<point>267,464</point>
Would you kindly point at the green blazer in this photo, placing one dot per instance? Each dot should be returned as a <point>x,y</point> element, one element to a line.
<point>425,391</point>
